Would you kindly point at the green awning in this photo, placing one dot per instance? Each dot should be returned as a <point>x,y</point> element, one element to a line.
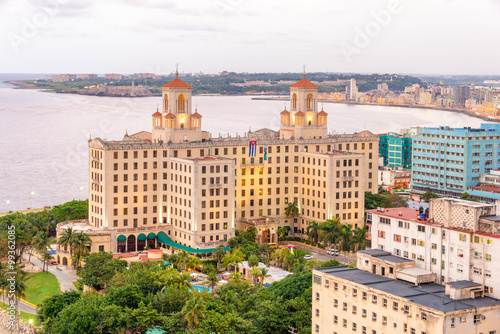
<point>122,238</point>
<point>151,236</point>
<point>141,236</point>
<point>288,228</point>
<point>165,239</point>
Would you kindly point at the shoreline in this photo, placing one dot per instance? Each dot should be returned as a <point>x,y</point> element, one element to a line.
<point>459,111</point>
<point>272,97</point>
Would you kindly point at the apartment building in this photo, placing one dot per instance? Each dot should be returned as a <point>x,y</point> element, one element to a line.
<point>349,300</point>
<point>135,183</point>
<point>396,149</point>
<point>457,240</point>
<point>447,161</point>
<point>488,188</point>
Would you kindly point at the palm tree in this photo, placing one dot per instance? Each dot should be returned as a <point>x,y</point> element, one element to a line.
<point>81,244</point>
<point>346,239</point>
<point>183,280</point>
<point>255,272</point>
<point>193,311</point>
<point>230,301</point>
<point>280,254</point>
<point>282,232</point>
<point>235,276</point>
<point>218,254</point>
<point>292,210</point>
<point>182,259</point>
<point>359,238</point>
<point>66,239</point>
<point>237,256</point>
<point>264,273</point>
<point>194,263</point>
<point>330,232</point>
<point>313,231</point>
<point>41,243</point>
<point>212,280</point>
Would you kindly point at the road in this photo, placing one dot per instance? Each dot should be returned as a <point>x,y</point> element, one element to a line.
<point>22,306</point>
<point>65,275</point>
<point>322,256</point>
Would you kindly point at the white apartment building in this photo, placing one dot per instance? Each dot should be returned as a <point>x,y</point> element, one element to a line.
<point>458,240</point>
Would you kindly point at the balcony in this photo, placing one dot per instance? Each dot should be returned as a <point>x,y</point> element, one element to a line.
<point>94,158</point>
<point>96,181</point>
<point>215,185</point>
<point>348,178</point>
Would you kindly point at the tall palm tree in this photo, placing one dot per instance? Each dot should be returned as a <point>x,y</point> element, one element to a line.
<point>193,311</point>
<point>359,238</point>
<point>81,242</point>
<point>218,255</point>
<point>41,243</point>
<point>331,231</point>
<point>255,272</point>
<point>313,231</point>
<point>264,273</point>
<point>46,257</point>
<point>212,280</point>
<point>292,210</point>
<point>66,239</point>
<point>182,259</point>
<point>230,300</point>
<point>346,239</point>
<point>237,256</point>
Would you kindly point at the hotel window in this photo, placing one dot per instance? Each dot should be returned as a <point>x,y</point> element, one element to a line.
<point>374,316</point>
<point>335,319</point>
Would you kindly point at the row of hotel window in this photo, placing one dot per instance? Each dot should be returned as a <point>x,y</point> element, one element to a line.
<point>430,135</point>
<point>212,238</point>
<point>135,154</point>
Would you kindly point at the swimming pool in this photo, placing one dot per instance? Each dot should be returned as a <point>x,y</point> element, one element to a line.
<point>202,288</point>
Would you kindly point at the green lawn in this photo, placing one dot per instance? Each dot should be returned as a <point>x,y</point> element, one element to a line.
<point>40,286</point>
<point>26,316</point>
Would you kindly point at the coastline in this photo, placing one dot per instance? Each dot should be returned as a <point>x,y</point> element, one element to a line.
<point>274,97</point>
<point>459,111</point>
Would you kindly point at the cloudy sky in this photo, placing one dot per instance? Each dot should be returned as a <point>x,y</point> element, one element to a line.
<point>128,36</point>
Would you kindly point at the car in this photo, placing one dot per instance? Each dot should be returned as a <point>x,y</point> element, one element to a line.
<point>308,257</point>
<point>332,252</point>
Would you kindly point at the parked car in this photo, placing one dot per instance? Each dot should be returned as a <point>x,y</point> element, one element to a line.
<point>333,252</point>
<point>308,257</point>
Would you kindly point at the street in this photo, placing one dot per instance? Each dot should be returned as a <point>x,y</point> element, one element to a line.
<point>322,256</point>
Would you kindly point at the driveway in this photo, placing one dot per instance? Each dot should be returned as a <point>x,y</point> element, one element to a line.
<point>321,254</point>
<point>65,275</point>
<point>22,306</point>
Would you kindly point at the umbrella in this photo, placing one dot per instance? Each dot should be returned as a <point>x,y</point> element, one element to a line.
<point>194,274</point>
<point>226,274</point>
<point>222,281</point>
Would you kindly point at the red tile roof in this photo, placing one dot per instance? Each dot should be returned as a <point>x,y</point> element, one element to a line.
<point>299,113</point>
<point>170,115</point>
<point>196,115</point>
<point>322,113</point>
<point>285,112</point>
<point>303,84</point>
<point>177,83</point>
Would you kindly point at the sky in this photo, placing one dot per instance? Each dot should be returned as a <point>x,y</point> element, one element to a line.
<point>209,36</point>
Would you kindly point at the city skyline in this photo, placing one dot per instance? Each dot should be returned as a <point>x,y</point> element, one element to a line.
<point>394,36</point>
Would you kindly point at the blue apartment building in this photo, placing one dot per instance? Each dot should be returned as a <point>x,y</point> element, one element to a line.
<point>447,161</point>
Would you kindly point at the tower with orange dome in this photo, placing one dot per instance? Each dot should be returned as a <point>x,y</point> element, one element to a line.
<point>176,122</point>
<point>303,119</point>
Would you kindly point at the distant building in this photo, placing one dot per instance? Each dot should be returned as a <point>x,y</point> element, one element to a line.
<point>447,161</point>
<point>461,94</point>
<point>146,75</point>
<point>63,77</point>
<point>488,188</point>
<point>112,76</point>
<point>88,76</point>
<point>383,87</point>
<point>396,150</point>
<point>351,90</point>
<point>394,180</point>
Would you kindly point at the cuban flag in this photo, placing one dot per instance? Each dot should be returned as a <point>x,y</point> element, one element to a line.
<point>253,148</point>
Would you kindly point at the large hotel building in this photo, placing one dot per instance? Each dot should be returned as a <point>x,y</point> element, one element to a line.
<point>180,185</point>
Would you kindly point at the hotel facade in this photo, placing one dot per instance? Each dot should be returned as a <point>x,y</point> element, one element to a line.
<point>181,185</point>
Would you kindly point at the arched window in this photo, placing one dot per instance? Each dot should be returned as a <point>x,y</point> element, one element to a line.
<point>182,103</point>
<point>165,102</point>
<point>310,102</point>
<point>294,102</point>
